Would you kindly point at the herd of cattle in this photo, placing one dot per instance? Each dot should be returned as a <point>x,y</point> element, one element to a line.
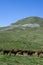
<point>21,52</point>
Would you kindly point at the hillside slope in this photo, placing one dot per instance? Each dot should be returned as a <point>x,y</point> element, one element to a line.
<point>24,34</point>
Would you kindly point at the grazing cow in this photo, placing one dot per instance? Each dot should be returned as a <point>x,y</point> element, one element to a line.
<point>6,51</point>
<point>30,52</point>
<point>20,52</point>
<point>39,52</point>
<point>14,51</point>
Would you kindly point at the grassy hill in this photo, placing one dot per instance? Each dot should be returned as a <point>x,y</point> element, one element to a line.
<point>28,20</point>
<point>22,35</point>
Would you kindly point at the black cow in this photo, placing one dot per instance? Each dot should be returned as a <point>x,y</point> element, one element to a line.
<point>6,51</point>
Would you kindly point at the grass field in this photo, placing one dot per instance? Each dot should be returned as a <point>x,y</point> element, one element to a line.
<point>20,60</point>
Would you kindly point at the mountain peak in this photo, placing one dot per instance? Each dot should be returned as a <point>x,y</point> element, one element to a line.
<point>29,20</point>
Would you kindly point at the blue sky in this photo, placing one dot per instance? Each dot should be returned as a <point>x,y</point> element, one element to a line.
<point>13,10</point>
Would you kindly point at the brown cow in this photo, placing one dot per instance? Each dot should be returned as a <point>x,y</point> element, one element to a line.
<point>39,52</point>
<point>21,52</point>
<point>30,52</point>
<point>14,51</point>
